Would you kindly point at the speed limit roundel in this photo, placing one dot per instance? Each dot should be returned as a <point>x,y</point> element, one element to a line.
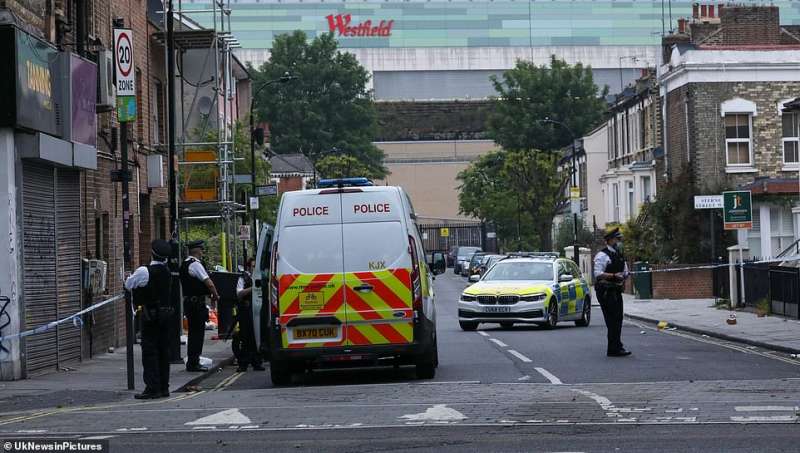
<point>123,55</point>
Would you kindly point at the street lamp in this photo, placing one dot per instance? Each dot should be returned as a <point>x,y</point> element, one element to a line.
<point>573,183</point>
<point>286,77</point>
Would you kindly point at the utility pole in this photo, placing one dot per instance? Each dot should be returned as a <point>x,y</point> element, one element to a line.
<point>573,185</point>
<point>175,343</point>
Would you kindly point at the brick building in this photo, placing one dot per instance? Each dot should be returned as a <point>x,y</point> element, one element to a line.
<point>724,83</point>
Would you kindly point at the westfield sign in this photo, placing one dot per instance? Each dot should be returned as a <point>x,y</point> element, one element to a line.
<point>340,24</point>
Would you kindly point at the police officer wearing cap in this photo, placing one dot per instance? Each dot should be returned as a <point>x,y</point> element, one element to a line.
<point>196,285</point>
<point>151,293</point>
<point>610,271</point>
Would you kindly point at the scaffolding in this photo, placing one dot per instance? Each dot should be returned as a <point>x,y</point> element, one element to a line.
<point>206,137</point>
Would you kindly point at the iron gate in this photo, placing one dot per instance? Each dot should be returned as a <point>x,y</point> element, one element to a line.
<point>442,237</point>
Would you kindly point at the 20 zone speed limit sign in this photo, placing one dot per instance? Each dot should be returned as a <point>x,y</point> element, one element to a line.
<point>123,57</point>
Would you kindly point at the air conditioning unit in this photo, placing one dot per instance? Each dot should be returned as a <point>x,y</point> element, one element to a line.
<point>106,95</point>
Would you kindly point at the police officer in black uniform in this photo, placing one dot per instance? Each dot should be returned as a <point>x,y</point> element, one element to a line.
<point>245,339</point>
<point>151,293</point>
<point>196,285</point>
<point>610,271</point>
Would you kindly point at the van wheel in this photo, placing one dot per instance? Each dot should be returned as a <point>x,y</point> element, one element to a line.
<point>280,373</point>
<point>426,366</point>
<point>586,316</point>
<point>468,326</point>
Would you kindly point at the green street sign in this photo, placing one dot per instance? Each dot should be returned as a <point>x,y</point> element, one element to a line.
<point>737,208</point>
<point>126,109</point>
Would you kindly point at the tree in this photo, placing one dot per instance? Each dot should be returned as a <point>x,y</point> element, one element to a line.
<point>342,166</point>
<point>328,105</point>
<point>565,233</point>
<point>526,96</point>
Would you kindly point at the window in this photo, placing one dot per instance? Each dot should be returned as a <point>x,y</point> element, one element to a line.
<point>646,191</point>
<point>158,127</point>
<point>791,133</point>
<point>139,107</point>
<point>781,229</point>
<point>737,139</point>
<point>630,199</point>
<point>615,205</point>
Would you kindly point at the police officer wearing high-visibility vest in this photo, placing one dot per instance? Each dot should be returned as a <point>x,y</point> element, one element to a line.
<point>151,293</point>
<point>246,338</point>
<point>610,272</point>
<point>196,285</point>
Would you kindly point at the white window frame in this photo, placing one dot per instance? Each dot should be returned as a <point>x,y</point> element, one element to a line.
<point>630,198</point>
<point>644,182</point>
<point>785,140</point>
<point>748,140</point>
<point>615,201</point>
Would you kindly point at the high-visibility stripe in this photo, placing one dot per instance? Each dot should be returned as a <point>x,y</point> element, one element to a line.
<point>355,337</point>
<point>285,281</point>
<point>388,295</point>
<point>363,309</point>
<point>388,332</point>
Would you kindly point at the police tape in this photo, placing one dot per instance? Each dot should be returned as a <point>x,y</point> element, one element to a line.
<point>715,266</point>
<point>75,318</point>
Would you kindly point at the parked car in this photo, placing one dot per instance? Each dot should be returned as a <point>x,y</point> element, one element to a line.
<point>463,255</point>
<point>474,262</point>
<point>487,262</point>
<point>452,255</point>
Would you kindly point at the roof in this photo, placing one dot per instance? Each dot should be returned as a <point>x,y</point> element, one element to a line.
<point>792,106</point>
<point>776,186</point>
<point>291,164</point>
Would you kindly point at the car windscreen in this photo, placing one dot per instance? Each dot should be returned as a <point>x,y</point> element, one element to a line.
<point>467,252</point>
<point>520,271</point>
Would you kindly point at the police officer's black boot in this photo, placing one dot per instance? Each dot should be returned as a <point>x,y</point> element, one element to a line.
<point>148,394</point>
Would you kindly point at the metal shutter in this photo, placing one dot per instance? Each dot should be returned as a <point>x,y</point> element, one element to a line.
<point>39,260</point>
<point>68,260</point>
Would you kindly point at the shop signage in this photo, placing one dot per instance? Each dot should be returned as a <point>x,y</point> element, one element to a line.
<point>83,81</point>
<point>27,69</point>
<point>342,25</point>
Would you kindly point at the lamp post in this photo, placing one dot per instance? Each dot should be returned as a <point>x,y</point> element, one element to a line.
<point>286,77</point>
<point>573,183</point>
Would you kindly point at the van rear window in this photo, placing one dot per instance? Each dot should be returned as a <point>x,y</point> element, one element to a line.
<point>375,246</point>
<point>310,249</point>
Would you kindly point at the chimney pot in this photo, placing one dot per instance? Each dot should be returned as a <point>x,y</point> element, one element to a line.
<point>703,11</point>
<point>711,11</point>
<point>695,10</point>
<point>681,25</point>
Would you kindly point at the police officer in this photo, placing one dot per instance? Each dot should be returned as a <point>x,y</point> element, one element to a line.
<point>610,271</point>
<point>246,338</point>
<point>151,292</point>
<point>196,285</point>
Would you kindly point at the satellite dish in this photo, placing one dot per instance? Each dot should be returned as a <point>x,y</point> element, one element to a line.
<point>204,105</point>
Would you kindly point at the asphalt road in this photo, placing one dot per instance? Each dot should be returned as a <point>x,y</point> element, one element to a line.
<point>521,389</point>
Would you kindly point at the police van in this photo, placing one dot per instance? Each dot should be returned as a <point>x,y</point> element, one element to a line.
<point>348,283</point>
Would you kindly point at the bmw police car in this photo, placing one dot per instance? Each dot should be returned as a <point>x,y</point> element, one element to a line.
<point>527,289</point>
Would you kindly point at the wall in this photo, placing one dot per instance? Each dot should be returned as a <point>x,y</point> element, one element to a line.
<point>596,146</point>
<point>683,284</point>
<point>10,267</point>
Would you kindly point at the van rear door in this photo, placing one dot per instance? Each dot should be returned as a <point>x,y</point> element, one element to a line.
<point>310,271</point>
<point>377,266</point>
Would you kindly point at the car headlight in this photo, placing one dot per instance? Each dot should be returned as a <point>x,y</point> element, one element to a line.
<point>533,297</point>
<point>468,298</point>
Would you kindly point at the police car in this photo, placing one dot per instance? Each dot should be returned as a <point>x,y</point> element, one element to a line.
<point>538,289</point>
<point>348,283</point>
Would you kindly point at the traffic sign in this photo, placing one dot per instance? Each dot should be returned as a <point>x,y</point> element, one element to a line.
<point>444,232</point>
<point>575,193</point>
<point>123,59</point>
<point>737,210</point>
<point>253,203</point>
<point>708,202</point>
<point>269,189</point>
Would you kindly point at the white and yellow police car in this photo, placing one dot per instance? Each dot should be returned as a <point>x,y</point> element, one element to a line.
<point>536,288</point>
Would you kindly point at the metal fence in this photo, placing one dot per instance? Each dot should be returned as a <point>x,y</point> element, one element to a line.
<point>784,283</point>
<point>756,283</point>
<point>442,237</point>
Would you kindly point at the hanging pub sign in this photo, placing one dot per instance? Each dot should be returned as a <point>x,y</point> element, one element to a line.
<point>27,86</point>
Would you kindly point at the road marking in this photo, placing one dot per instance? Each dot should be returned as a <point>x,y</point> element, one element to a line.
<point>519,356</point>
<point>226,417</point>
<point>548,375</point>
<point>482,333</point>
<point>498,342</point>
<point>766,408</point>
<point>225,383</point>
<point>97,437</point>
<point>773,418</point>
<point>31,431</point>
<point>437,413</point>
<point>524,378</point>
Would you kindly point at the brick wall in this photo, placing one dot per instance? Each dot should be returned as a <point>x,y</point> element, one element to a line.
<point>289,184</point>
<point>676,143</point>
<point>682,284</point>
<point>744,25</point>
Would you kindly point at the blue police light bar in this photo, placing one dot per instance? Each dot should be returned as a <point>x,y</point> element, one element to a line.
<point>343,182</point>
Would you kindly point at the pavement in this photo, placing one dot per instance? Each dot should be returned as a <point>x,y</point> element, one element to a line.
<point>103,379</point>
<point>498,389</point>
<point>702,317</point>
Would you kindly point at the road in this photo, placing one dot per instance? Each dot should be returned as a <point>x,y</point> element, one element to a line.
<point>521,389</point>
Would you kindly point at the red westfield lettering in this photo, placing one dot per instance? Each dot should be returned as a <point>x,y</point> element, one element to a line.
<point>370,208</point>
<point>340,23</point>
<point>313,210</point>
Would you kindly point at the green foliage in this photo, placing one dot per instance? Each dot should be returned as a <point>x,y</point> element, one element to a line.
<point>328,105</point>
<point>344,166</point>
<point>565,234</point>
<point>527,94</point>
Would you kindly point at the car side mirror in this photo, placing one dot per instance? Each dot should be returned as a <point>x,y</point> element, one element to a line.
<point>566,278</point>
<point>439,264</point>
<point>474,278</point>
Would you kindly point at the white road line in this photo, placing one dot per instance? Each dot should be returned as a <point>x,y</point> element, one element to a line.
<point>482,333</point>
<point>766,408</point>
<point>498,342</point>
<point>549,376</point>
<point>97,437</point>
<point>519,356</point>
<point>773,418</point>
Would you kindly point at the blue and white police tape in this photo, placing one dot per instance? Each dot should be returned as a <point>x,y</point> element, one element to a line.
<point>715,266</point>
<point>75,318</point>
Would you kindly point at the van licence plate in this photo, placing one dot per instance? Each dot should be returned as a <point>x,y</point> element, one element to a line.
<point>497,309</point>
<point>315,333</point>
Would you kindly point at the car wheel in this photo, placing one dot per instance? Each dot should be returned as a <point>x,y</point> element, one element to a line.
<point>280,373</point>
<point>506,325</point>
<point>468,326</point>
<point>552,315</point>
<point>586,316</point>
<point>426,366</point>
